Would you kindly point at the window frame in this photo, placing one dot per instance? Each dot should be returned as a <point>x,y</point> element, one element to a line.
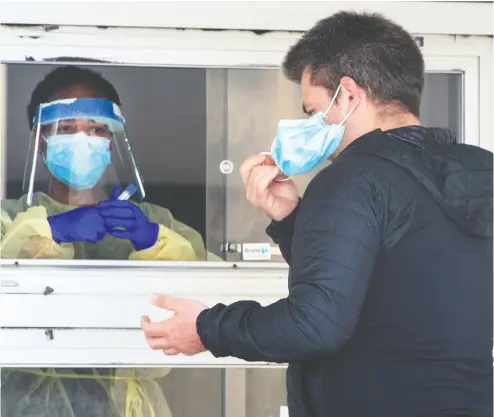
<point>472,56</point>
<point>103,301</point>
<point>414,16</point>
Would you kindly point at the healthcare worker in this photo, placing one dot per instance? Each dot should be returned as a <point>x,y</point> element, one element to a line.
<point>79,162</point>
<point>79,154</point>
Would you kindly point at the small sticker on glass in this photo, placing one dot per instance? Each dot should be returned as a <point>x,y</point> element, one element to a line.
<point>256,251</point>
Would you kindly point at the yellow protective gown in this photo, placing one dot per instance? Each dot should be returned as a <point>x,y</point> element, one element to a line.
<point>64,392</point>
<point>26,234</point>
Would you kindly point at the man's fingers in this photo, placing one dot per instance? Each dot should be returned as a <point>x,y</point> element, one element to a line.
<point>171,351</point>
<point>158,343</point>
<point>152,329</point>
<point>249,165</point>
<point>267,180</point>
<point>269,176</point>
<point>259,182</point>
<point>166,302</point>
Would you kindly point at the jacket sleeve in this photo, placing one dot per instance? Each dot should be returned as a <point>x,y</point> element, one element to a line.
<point>282,234</point>
<point>335,245</point>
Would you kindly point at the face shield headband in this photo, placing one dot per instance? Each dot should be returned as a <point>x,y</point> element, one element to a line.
<point>100,110</point>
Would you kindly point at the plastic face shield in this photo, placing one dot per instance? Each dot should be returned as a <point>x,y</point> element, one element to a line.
<point>79,151</point>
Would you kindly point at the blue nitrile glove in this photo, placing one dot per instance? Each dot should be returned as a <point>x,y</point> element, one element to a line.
<point>83,224</point>
<point>125,220</point>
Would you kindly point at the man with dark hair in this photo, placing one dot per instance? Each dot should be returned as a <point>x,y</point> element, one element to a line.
<point>378,55</point>
<point>389,311</point>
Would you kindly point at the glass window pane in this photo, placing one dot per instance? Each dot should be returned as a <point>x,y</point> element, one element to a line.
<point>117,392</point>
<point>442,102</point>
<point>266,392</point>
<point>248,105</point>
<point>122,392</point>
<point>165,112</point>
<point>252,101</point>
<point>189,130</point>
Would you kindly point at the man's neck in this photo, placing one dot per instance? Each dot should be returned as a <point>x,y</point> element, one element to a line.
<point>388,122</point>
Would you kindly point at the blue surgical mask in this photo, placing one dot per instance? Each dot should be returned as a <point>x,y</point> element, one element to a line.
<point>301,145</point>
<point>77,161</point>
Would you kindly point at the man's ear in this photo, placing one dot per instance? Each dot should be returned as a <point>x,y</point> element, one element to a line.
<point>349,94</point>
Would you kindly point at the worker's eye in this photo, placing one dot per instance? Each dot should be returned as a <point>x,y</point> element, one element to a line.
<point>65,129</point>
<point>99,131</point>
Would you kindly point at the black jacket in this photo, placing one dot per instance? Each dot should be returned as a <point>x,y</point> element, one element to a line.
<point>389,312</point>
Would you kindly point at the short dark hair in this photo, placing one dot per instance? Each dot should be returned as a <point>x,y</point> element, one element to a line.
<point>68,76</point>
<point>379,55</point>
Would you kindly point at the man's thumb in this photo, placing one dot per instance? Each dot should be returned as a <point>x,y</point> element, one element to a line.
<point>165,301</point>
<point>275,173</point>
<point>272,173</point>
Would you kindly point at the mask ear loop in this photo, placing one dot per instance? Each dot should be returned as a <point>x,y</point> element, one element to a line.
<point>350,112</point>
<point>332,101</point>
<point>282,179</point>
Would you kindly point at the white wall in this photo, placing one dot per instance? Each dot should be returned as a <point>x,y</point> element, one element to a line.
<point>432,17</point>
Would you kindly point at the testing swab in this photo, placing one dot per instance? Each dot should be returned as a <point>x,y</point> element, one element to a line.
<point>128,192</point>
